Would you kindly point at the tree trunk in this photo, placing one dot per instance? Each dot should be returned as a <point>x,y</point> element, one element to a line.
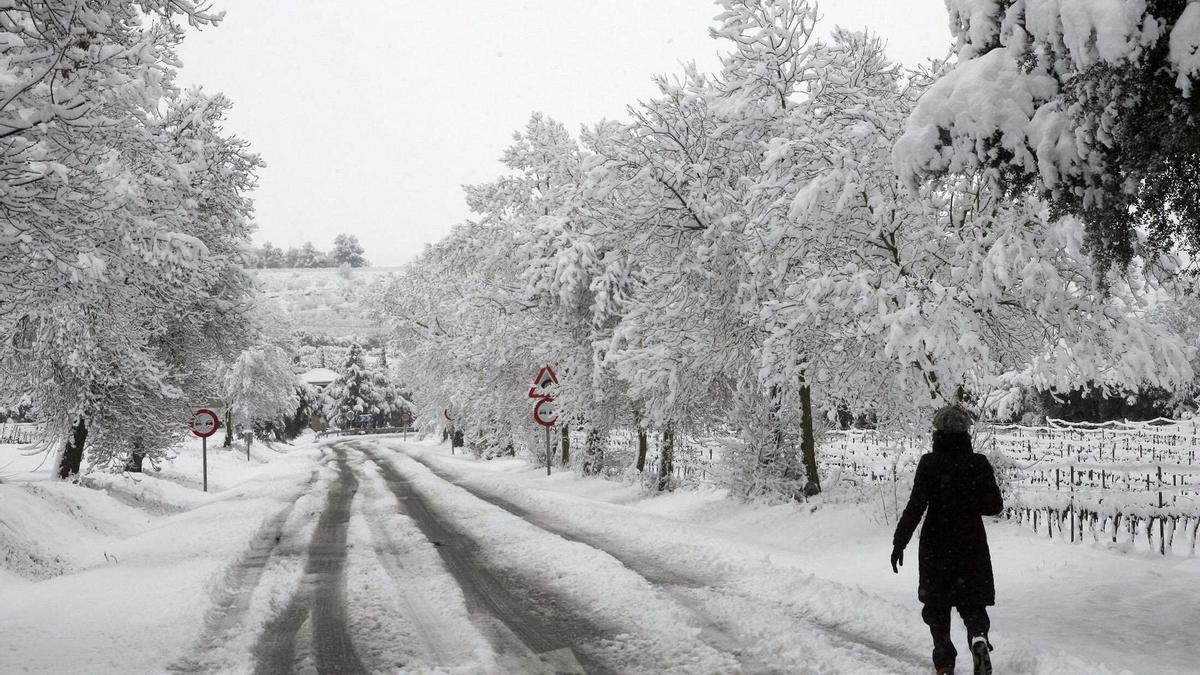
<point>808,446</point>
<point>776,418</point>
<point>595,451</point>
<point>72,457</point>
<point>228,428</point>
<point>566,445</point>
<point>643,445</point>
<point>666,457</point>
<point>136,457</point>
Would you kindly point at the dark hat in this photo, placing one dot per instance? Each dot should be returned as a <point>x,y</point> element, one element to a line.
<point>952,419</point>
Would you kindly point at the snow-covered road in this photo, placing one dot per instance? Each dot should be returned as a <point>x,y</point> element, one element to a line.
<point>400,569</point>
<point>369,554</point>
<point>700,592</point>
<point>522,611</point>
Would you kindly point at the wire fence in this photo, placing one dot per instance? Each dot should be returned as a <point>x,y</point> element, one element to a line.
<point>16,433</point>
<point>1130,484</point>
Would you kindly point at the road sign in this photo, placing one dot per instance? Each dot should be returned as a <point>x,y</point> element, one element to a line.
<point>546,377</point>
<point>204,423</point>
<point>544,412</point>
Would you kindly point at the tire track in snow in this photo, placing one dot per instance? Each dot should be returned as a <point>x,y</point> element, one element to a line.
<point>231,600</point>
<point>541,624</point>
<point>320,600</point>
<point>688,589</point>
<point>441,640</point>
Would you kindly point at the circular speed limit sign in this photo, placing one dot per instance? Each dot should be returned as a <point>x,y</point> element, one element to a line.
<point>204,423</point>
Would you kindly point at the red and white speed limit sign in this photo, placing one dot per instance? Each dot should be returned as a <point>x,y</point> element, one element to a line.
<point>204,423</point>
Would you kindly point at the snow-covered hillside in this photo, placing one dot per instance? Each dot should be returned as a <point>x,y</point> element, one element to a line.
<point>324,301</point>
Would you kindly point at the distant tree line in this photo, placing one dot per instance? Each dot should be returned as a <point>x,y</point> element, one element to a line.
<point>346,251</point>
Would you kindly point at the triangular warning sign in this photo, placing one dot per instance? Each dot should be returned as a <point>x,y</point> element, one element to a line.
<point>545,377</point>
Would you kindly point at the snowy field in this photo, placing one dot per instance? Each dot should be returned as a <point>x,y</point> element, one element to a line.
<point>407,559</point>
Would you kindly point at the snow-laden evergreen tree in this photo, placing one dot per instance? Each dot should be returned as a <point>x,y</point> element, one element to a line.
<point>1091,106</point>
<point>394,402</point>
<point>355,392</point>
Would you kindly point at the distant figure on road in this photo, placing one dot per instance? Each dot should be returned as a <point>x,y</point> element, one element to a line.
<point>954,487</point>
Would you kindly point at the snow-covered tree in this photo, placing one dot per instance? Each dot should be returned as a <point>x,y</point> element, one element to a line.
<point>1089,106</point>
<point>126,225</point>
<point>355,392</point>
<point>741,256</point>
<point>306,256</point>
<point>347,251</point>
<point>270,256</point>
<point>260,387</point>
<point>946,293</point>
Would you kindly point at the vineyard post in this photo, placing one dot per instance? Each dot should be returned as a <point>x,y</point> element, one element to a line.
<point>1162,542</point>
<point>1071,505</point>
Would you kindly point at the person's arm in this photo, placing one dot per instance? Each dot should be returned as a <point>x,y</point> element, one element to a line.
<point>991,503</point>
<point>917,501</point>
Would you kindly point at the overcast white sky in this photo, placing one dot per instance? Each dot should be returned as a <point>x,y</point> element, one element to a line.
<point>371,114</point>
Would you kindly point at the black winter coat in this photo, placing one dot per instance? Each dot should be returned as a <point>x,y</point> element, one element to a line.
<point>957,487</point>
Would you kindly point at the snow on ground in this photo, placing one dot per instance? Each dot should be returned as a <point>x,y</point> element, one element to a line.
<point>408,606</point>
<point>134,574</point>
<point>1062,608</point>
<point>606,592</point>
<point>117,577</point>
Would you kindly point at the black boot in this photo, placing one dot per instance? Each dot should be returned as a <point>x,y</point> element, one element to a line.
<point>980,653</point>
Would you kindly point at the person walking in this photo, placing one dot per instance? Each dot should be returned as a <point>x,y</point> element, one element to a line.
<point>954,488</point>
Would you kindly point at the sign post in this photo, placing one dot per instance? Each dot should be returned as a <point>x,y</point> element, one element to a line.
<point>204,423</point>
<point>406,420</point>
<point>544,412</point>
<point>446,414</point>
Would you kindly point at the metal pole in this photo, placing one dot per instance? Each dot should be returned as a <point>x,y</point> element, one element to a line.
<point>548,455</point>
<point>204,454</point>
<point>248,447</point>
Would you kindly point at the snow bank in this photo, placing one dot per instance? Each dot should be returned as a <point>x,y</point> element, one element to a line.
<point>103,580</point>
